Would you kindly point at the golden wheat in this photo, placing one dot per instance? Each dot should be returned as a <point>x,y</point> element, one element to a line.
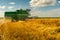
<point>32,29</point>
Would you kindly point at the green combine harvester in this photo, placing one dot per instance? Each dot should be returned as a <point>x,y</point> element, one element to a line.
<point>18,14</point>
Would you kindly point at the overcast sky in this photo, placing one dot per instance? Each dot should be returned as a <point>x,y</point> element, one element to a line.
<point>41,8</point>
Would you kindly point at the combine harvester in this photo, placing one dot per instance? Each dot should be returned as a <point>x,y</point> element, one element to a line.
<point>17,15</point>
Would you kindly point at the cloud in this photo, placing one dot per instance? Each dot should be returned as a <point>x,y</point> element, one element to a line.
<point>2,13</point>
<point>19,8</point>
<point>49,13</point>
<point>10,7</point>
<point>12,3</point>
<point>54,12</point>
<point>35,13</point>
<point>2,7</point>
<point>42,3</point>
<point>59,2</point>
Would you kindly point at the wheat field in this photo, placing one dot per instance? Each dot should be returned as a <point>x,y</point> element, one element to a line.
<point>31,29</point>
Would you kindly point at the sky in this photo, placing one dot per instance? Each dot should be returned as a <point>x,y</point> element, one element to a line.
<point>40,8</point>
